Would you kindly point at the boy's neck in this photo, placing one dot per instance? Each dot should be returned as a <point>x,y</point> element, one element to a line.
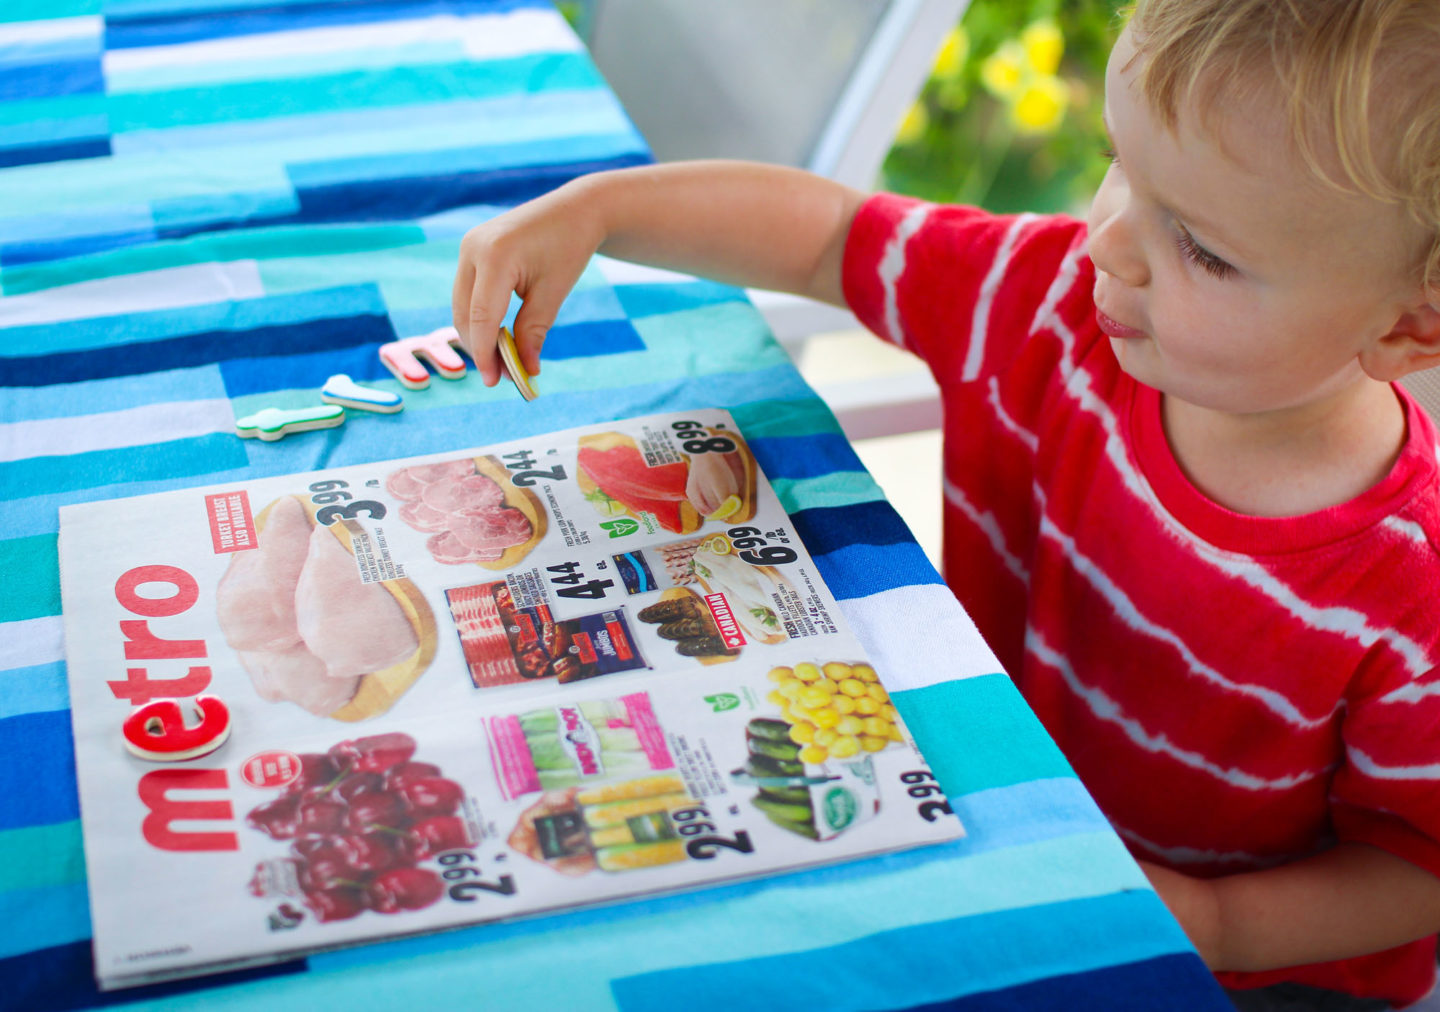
<point>1290,462</point>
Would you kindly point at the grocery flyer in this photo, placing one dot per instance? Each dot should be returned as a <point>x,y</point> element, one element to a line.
<point>382,699</point>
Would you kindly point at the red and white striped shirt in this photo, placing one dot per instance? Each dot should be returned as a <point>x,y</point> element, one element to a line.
<point>1236,692</point>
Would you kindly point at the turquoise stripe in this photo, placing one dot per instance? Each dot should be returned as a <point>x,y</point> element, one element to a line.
<point>979,734</point>
<point>65,400</point>
<point>497,120</point>
<point>889,970</point>
<point>37,689</point>
<point>47,130</point>
<point>351,90</point>
<point>44,10</point>
<point>807,416</point>
<point>839,488</point>
<point>41,857</point>
<point>63,107</point>
<point>157,325</point>
<point>38,594</point>
<point>196,456</point>
<point>173,76</point>
<point>33,919</point>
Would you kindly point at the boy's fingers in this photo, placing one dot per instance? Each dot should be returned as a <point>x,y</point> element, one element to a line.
<point>479,326</point>
<point>534,320</point>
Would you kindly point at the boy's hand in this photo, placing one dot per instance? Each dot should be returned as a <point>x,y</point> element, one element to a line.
<point>538,251</point>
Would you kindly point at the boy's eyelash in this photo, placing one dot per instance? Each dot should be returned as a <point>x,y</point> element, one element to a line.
<point>1202,257</point>
<point>1108,153</point>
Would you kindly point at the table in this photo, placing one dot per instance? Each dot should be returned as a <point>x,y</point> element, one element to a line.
<point>207,207</point>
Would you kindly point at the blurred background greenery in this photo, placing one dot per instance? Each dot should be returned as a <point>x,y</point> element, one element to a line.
<point>1010,117</point>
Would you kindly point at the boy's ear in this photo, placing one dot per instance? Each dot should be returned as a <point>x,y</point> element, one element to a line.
<point>1412,344</point>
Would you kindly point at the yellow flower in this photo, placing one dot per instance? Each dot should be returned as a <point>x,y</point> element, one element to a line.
<point>1043,45</point>
<point>953,52</point>
<point>913,125</point>
<point>1003,69</point>
<point>1040,107</point>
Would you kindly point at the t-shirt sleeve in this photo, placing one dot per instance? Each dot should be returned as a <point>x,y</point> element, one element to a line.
<point>958,286</point>
<point>1387,792</point>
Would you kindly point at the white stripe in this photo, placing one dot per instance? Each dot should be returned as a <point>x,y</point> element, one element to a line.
<point>1031,441</point>
<point>168,288</point>
<point>980,321</point>
<point>51,30</point>
<point>990,527</point>
<point>886,625</point>
<point>1340,621</point>
<point>485,37</point>
<point>1371,768</point>
<point>892,266</point>
<point>1126,611</point>
<point>1106,709</point>
<point>109,430</point>
<point>1407,529</point>
<point>33,641</point>
<point>1192,855</point>
<point>623,272</point>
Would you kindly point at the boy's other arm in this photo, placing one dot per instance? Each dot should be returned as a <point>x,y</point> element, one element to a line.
<point>1348,901</point>
<point>743,223</point>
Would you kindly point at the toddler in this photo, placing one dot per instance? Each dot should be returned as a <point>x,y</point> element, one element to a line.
<point>1186,503</point>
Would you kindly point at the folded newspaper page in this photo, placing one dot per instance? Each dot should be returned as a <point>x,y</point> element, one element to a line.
<point>388,698</point>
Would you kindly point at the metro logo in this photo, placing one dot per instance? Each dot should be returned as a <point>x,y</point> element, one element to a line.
<point>156,790</point>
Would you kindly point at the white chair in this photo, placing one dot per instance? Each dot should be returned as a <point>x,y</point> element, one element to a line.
<point>818,84</point>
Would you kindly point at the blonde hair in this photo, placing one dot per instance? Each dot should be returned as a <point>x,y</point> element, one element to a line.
<point>1361,78</point>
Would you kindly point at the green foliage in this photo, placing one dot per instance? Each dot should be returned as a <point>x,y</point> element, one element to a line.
<point>971,140</point>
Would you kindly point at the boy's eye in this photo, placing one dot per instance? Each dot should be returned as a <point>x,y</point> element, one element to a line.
<point>1202,257</point>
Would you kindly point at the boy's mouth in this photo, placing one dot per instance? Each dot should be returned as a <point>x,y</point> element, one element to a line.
<point>1113,328</point>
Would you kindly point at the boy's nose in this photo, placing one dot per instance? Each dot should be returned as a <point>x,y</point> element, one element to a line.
<point>1113,245</point>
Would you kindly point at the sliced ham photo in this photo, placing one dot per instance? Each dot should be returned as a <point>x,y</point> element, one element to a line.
<point>465,512</point>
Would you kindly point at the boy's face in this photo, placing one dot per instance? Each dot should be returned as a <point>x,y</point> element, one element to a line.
<point>1226,274</point>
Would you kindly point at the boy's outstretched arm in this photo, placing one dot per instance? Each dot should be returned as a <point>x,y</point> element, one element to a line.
<point>1350,900</point>
<point>747,224</point>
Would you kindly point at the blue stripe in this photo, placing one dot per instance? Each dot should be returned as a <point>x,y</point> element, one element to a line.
<point>57,50</point>
<point>76,471</point>
<point>600,337</point>
<point>119,219</point>
<point>63,977</point>
<point>201,209</point>
<point>41,789</point>
<point>39,918</point>
<point>51,80</point>
<point>95,126</point>
<point>95,396</point>
<point>1024,813</point>
<point>811,456</point>
<point>60,151</point>
<point>29,251</point>
<point>195,350</point>
<point>987,952</point>
<point>157,324</point>
<point>862,570</point>
<point>127,32</point>
<point>38,689</point>
<point>828,529</point>
<point>245,377</point>
<point>417,196</point>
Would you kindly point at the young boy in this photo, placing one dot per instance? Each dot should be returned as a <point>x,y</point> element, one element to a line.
<point>1185,502</point>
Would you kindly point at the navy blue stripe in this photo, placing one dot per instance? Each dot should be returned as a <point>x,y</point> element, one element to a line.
<point>61,151</point>
<point>63,977</point>
<point>829,528</point>
<point>798,457</point>
<point>126,32</point>
<point>51,80</point>
<point>195,350</point>
<point>597,337</point>
<point>1150,985</point>
<point>246,376</point>
<point>419,196</point>
<point>37,780</point>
